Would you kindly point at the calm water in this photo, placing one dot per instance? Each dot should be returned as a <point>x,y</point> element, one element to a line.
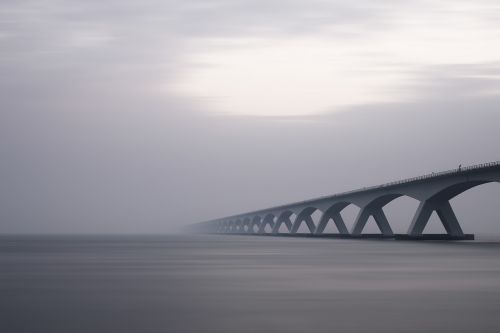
<point>246,284</point>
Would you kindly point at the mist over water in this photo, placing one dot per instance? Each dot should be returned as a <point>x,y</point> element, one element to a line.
<point>202,283</point>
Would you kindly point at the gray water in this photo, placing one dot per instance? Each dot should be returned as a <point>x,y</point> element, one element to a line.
<point>190,283</point>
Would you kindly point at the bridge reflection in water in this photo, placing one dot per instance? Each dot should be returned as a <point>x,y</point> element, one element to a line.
<point>433,191</point>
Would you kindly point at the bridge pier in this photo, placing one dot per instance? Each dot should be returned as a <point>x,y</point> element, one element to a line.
<point>298,221</point>
<point>283,218</point>
<point>256,221</point>
<point>337,219</point>
<point>379,216</point>
<point>245,225</point>
<point>268,219</point>
<point>445,213</point>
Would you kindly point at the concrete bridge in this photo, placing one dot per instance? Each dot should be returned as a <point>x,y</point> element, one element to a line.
<point>433,191</point>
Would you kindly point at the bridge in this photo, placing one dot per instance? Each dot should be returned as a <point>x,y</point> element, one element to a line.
<point>433,191</point>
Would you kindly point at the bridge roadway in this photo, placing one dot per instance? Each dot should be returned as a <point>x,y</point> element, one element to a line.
<point>433,191</point>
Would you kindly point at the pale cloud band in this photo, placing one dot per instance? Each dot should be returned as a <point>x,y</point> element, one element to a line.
<point>341,64</point>
<point>264,58</point>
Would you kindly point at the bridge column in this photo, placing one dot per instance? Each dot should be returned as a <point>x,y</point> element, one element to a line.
<point>285,220</point>
<point>249,225</point>
<point>379,216</point>
<point>298,221</point>
<point>239,227</point>
<point>244,223</point>
<point>337,219</point>
<point>256,221</point>
<point>251,228</point>
<point>269,219</point>
<point>445,213</point>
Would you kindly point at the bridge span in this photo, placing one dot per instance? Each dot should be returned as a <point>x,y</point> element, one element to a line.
<point>433,191</point>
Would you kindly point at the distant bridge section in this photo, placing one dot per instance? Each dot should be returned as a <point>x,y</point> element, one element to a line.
<point>433,191</point>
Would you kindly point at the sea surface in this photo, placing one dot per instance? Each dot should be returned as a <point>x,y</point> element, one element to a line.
<point>229,283</point>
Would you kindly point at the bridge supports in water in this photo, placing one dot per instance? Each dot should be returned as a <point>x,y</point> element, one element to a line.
<point>441,206</point>
<point>374,209</point>
<point>304,216</point>
<point>433,191</point>
<point>445,213</point>
<point>337,219</point>
<point>268,219</point>
<point>283,218</point>
<point>379,216</point>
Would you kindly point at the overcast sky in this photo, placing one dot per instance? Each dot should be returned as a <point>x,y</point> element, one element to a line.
<point>142,116</point>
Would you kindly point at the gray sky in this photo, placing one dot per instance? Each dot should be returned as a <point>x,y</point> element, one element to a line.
<point>142,116</point>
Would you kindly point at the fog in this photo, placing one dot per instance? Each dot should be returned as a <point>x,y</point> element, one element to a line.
<point>95,136</point>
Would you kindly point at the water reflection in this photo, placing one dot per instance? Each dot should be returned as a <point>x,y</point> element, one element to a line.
<point>246,284</point>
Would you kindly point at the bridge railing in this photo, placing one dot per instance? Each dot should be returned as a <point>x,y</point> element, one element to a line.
<point>422,177</point>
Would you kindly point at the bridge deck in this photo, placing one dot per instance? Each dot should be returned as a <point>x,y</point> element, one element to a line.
<point>433,191</point>
<point>386,186</point>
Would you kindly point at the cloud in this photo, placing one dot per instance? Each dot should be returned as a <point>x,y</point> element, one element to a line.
<point>90,140</point>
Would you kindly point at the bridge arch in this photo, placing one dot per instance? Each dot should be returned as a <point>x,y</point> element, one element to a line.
<point>304,216</point>
<point>431,199</point>
<point>225,226</point>
<point>268,220</point>
<point>333,213</point>
<point>283,218</point>
<point>237,225</point>
<point>452,191</point>
<point>439,202</point>
<point>477,209</point>
<point>245,225</point>
<point>374,208</point>
<point>255,224</point>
